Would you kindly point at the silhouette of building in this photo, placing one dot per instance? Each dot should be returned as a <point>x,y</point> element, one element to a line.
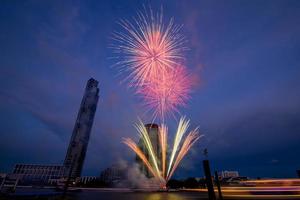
<point>153,131</point>
<point>81,133</point>
<point>113,175</point>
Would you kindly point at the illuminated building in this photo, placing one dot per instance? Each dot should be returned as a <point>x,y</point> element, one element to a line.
<point>228,174</point>
<point>81,133</point>
<point>86,179</point>
<point>29,173</point>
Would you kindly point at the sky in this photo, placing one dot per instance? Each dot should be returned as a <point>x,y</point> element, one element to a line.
<point>244,53</point>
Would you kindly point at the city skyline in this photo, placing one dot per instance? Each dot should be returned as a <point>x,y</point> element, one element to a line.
<point>246,100</point>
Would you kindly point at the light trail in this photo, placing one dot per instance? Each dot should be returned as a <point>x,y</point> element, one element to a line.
<point>265,189</point>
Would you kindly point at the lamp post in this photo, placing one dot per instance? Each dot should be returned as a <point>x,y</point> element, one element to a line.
<point>208,179</point>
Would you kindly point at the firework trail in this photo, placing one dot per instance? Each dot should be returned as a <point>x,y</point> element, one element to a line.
<point>163,137</point>
<point>147,141</point>
<point>178,152</point>
<point>132,145</point>
<point>187,144</point>
<point>182,127</point>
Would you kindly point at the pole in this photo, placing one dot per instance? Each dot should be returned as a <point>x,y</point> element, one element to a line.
<point>209,183</point>
<point>218,185</point>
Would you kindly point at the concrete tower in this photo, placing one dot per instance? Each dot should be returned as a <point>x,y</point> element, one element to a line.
<point>81,133</point>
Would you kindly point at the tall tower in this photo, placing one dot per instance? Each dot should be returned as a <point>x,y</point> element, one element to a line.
<point>81,133</point>
<point>152,130</point>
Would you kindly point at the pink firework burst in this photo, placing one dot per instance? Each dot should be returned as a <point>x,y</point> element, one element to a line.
<point>150,56</point>
<point>147,48</point>
<point>164,94</point>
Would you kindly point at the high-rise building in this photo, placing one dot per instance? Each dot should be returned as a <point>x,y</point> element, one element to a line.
<point>153,131</point>
<point>81,133</point>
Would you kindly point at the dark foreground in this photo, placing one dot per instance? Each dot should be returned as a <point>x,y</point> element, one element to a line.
<point>100,195</point>
<point>128,195</point>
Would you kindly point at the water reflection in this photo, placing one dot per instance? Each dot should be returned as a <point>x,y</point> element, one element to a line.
<point>136,196</point>
<point>100,195</point>
<point>164,196</point>
<point>140,196</point>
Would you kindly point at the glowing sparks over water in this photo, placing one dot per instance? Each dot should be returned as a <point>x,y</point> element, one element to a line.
<point>179,150</point>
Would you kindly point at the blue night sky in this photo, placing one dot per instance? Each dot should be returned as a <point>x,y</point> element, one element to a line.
<point>247,102</point>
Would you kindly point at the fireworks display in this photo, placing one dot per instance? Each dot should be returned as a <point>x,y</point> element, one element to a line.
<point>151,55</point>
<point>180,148</point>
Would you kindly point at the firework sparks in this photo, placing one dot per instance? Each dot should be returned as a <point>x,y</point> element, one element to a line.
<point>178,152</point>
<point>150,54</point>
<point>182,127</point>
<point>167,92</point>
<point>147,48</point>
<point>187,144</point>
<point>163,136</point>
<point>132,145</point>
<point>147,141</point>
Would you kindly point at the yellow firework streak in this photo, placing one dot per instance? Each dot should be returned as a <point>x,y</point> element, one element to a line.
<point>179,150</point>
<point>182,127</point>
<point>145,136</point>
<point>131,144</point>
<point>163,135</point>
<point>192,137</point>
